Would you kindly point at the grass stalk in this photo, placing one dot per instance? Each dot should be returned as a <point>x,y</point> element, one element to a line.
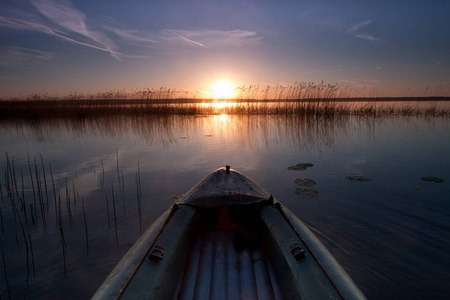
<point>103,174</point>
<point>61,234</point>
<point>107,210</point>
<point>32,253</point>
<point>23,199</point>
<point>139,194</point>
<point>40,196</point>
<point>45,180</point>
<point>68,206</point>
<point>1,219</point>
<point>115,215</point>
<point>5,270</point>
<point>85,226</point>
<point>123,194</point>
<point>33,206</point>
<point>54,192</point>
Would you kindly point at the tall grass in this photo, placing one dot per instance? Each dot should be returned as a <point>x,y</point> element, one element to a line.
<point>16,235</point>
<point>304,98</point>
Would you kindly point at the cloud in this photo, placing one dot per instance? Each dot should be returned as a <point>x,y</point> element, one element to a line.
<point>211,38</point>
<point>62,20</point>
<point>179,39</point>
<point>367,37</point>
<point>22,57</point>
<point>132,35</point>
<point>191,41</point>
<point>359,26</point>
<point>67,23</point>
<point>355,32</point>
<point>65,15</point>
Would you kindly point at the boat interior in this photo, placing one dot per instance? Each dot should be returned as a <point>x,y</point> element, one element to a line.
<point>230,252</point>
<point>228,259</point>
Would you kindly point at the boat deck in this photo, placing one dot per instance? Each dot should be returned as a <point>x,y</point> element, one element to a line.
<point>220,266</point>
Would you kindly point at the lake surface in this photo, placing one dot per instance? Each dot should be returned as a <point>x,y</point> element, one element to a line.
<point>79,179</point>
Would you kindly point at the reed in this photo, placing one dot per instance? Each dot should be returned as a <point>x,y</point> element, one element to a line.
<point>24,204</point>
<point>68,206</point>
<point>115,215</point>
<point>1,219</point>
<point>45,179</point>
<point>103,175</point>
<point>40,196</point>
<point>297,98</point>
<point>5,271</point>
<point>32,253</point>
<point>54,191</point>
<point>138,196</point>
<point>107,210</point>
<point>32,205</point>
<point>85,226</point>
<point>23,232</point>
<point>123,193</point>
<point>61,235</point>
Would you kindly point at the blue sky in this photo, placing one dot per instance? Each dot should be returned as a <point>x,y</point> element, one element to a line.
<point>390,48</point>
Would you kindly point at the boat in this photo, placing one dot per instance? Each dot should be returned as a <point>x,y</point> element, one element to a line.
<point>228,238</point>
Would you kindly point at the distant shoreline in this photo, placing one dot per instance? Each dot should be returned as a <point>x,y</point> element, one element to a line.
<point>115,101</point>
<point>318,107</point>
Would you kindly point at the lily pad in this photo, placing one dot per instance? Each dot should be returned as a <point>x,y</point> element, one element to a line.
<point>432,179</point>
<point>359,178</point>
<point>311,193</point>
<point>300,167</point>
<point>305,182</point>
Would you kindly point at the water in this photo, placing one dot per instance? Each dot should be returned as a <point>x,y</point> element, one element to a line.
<point>391,235</point>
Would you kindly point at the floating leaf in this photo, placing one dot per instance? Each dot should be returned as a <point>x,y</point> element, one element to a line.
<point>311,193</point>
<point>432,179</point>
<point>300,167</point>
<point>358,178</point>
<point>305,182</point>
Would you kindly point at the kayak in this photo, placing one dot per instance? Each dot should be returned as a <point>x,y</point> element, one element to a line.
<point>228,238</point>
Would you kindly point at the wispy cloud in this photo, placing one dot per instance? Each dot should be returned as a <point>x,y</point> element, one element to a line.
<point>132,35</point>
<point>68,17</point>
<point>191,41</point>
<point>367,37</point>
<point>67,23</point>
<point>178,39</point>
<point>359,26</point>
<point>355,32</point>
<point>22,57</point>
<point>211,38</point>
<point>60,19</point>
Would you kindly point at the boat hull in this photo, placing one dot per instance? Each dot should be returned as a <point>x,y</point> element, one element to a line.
<point>259,250</point>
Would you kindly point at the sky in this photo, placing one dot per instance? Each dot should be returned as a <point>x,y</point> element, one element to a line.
<point>381,48</point>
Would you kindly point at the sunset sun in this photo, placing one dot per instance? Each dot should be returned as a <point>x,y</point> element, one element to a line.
<point>222,90</point>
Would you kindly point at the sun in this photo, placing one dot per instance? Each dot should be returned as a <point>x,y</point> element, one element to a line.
<point>222,89</point>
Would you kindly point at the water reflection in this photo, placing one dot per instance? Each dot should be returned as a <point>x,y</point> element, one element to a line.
<point>249,130</point>
<point>114,175</point>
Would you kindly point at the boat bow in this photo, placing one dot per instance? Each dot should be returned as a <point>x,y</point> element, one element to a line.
<point>225,187</point>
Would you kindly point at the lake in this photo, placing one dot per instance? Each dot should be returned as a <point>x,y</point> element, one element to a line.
<point>84,189</point>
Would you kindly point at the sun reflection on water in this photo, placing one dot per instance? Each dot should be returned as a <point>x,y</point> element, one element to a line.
<point>223,117</point>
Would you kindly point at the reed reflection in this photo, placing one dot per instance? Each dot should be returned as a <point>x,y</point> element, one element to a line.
<point>251,130</point>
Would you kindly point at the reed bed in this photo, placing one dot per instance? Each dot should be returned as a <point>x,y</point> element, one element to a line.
<point>300,98</point>
<point>21,223</point>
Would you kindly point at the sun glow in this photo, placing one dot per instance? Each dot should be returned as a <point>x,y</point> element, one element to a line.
<point>222,90</point>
